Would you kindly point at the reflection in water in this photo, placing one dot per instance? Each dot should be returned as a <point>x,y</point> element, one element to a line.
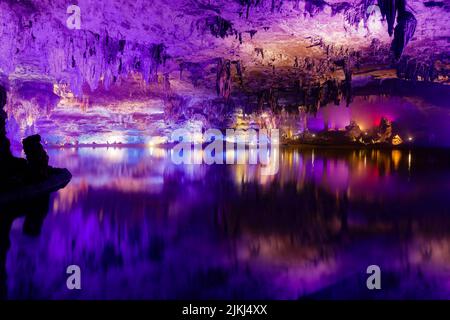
<point>142,227</point>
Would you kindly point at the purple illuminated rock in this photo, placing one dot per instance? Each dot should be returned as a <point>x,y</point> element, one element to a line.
<point>223,82</point>
<point>37,158</point>
<point>5,152</point>
<point>353,131</point>
<point>13,171</point>
<point>3,115</point>
<point>130,62</point>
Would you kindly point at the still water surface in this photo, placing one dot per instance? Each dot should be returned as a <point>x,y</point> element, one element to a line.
<point>141,227</point>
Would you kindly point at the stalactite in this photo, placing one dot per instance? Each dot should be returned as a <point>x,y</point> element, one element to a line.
<point>348,84</point>
<point>223,82</point>
<point>355,13</point>
<point>239,71</point>
<point>247,4</point>
<point>166,83</point>
<point>404,31</point>
<point>412,69</point>
<point>158,56</point>
<point>272,5</point>
<point>260,100</point>
<point>181,71</point>
<point>220,27</point>
<point>382,6</point>
<point>259,51</point>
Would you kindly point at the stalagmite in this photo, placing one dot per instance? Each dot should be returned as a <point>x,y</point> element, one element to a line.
<point>384,131</point>
<point>389,11</point>
<point>404,31</point>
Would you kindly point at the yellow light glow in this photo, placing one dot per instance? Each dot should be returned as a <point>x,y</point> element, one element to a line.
<point>156,140</point>
<point>396,140</point>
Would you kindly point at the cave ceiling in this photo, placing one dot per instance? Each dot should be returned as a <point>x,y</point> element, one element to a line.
<point>227,48</point>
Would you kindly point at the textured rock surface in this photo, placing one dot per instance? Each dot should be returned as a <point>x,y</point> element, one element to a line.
<point>189,57</point>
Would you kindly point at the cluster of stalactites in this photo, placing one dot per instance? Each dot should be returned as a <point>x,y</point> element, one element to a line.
<point>390,10</point>
<point>4,142</point>
<point>78,57</point>
<point>94,58</point>
<point>414,69</point>
<point>272,5</point>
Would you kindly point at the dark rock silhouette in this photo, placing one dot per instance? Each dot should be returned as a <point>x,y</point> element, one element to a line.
<point>37,158</point>
<point>12,170</point>
<point>22,179</point>
<point>406,24</point>
<point>4,142</point>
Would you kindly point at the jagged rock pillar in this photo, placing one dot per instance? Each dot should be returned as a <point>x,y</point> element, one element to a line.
<point>223,83</point>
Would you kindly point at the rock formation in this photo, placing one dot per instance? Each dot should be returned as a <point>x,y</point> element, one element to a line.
<point>404,31</point>
<point>17,172</point>
<point>353,131</point>
<point>4,142</point>
<point>192,56</point>
<point>13,171</point>
<point>384,133</point>
<point>37,158</point>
